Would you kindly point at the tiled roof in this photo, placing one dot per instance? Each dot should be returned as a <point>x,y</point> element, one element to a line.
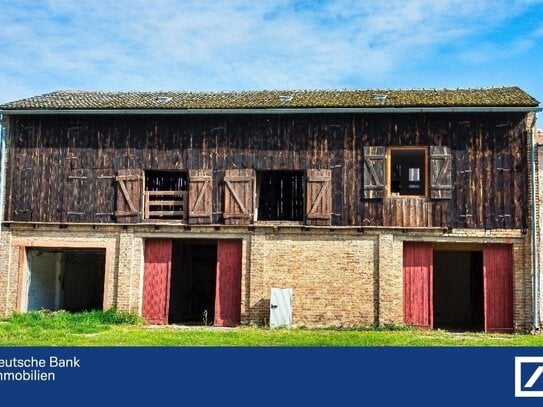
<point>81,100</point>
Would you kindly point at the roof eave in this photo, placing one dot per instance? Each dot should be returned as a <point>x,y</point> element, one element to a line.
<point>278,110</point>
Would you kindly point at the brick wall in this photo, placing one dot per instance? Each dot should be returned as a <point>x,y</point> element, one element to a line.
<point>13,276</point>
<point>340,277</point>
<point>539,209</point>
<point>357,279</point>
<point>9,269</point>
<point>390,300</point>
<point>129,278</point>
<point>332,277</point>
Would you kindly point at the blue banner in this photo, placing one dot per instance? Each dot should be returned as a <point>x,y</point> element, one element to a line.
<point>258,376</point>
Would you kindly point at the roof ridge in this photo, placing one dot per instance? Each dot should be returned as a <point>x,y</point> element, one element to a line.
<point>452,88</point>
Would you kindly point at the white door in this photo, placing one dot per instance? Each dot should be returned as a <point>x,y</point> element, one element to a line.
<point>280,307</point>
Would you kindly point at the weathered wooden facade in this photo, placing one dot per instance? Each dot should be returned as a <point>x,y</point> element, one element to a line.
<point>57,163</point>
<point>447,171</point>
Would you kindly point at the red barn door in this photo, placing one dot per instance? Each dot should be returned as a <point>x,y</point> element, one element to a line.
<point>156,280</point>
<point>418,259</point>
<point>498,287</point>
<point>228,290</point>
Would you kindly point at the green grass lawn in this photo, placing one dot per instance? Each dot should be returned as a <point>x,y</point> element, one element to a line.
<point>109,328</point>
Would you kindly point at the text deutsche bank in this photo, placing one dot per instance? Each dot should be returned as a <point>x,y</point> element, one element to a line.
<point>34,369</point>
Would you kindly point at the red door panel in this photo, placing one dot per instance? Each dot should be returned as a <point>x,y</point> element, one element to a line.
<point>418,259</point>
<point>156,280</point>
<point>498,287</point>
<point>228,291</point>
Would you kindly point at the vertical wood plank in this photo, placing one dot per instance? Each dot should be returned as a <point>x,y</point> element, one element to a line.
<point>228,286</point>
<point>239,196</point>
<point>418,284</point>
<point>200,199</point>
<point>498,287</point>
<point>440,172</point>
<point>319,197</point>
<point>156,280</point>
<point>129,195</point>
<point>478,178</point>
<point>488,175</point>
<point>409,212</point>
<point>374,172</point>
<point>461,210</point>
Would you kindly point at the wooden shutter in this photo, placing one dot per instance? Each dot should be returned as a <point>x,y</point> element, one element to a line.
<point>238,196</point>
<point>79,197</point>
<point>374,172</point>
<point>200,196</point>
<point>21,184</point>
<point>228,283</point>
<point>498,287</point>
<point>440,172</point>
<point>418,284</point>
<point>129,195</point>
<point>319,197</point>
<point>156,280</point>
<point>105,196</point>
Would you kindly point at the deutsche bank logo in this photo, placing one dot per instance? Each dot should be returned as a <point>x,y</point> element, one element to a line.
<point>528,376</point>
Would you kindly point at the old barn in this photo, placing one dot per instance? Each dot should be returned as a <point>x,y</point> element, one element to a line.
<point>344,207</point>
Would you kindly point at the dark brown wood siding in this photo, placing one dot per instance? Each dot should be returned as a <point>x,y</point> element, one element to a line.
<point>488,162</point>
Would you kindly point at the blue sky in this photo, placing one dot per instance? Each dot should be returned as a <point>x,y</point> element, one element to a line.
<point>272,44</point>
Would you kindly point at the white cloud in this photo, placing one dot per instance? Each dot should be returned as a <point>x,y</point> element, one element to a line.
<point>213,45</point>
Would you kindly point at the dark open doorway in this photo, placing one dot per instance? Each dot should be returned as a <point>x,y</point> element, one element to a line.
<point>458,298</point>
<point>193,281</point>
<point>68,279</point>
<point>280,195</point>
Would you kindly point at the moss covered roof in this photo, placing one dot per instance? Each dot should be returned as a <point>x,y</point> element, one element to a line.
<point>81,100</point>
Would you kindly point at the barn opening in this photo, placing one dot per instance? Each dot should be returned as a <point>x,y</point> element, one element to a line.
<point>165,195</point>
<point>280,195</point>
<point>407,171</point>
<point>458,298</point>
<point>67,279</point>
<point>193,282</point>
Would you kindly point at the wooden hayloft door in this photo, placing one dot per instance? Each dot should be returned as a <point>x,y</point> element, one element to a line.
<point>156,280</point>
<point>418,284</point>
<point>498,287</point>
